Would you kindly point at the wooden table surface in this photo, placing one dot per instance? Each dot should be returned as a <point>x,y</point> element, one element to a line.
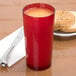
<point>64,52</point>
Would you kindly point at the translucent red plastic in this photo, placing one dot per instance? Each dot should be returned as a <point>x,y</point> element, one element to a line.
<point>39,37</point>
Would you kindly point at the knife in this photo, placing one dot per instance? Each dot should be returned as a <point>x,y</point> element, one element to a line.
<point>5,57</point>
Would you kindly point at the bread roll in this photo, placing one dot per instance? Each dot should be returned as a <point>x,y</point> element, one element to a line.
<point>65,21</point>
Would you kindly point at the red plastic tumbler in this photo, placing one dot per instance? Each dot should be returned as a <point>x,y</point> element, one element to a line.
<point>39,37</point>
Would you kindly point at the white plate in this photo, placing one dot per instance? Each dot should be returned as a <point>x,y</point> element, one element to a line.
<point>66,36</point>
<point>58,35</point>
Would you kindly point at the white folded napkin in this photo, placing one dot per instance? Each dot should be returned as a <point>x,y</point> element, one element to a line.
<point>17,53</point>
